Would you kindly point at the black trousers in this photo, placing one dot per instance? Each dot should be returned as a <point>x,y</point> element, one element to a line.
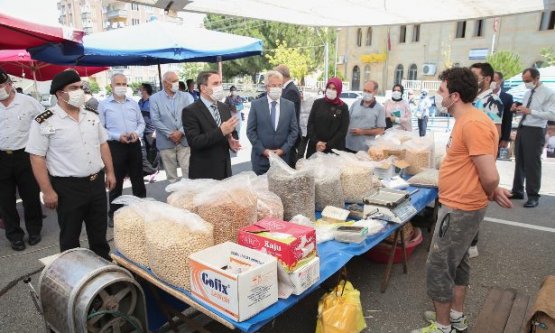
<point>301,148</point>
<point>128,160</point>
<point>422,125</point>
<point>528,151</point>
<point>16,174</point>
<point>82,200</point>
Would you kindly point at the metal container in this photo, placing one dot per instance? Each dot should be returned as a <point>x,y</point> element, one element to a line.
<point>81,292</point>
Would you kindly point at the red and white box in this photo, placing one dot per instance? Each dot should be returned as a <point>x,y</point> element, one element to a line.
<point>235,280</point>
<point>292,244</point>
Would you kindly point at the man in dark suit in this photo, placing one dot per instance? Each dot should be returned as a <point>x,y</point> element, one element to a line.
<point>507,120</point>
<point>272,125</point>
<point>292,93</point>
<point>210,130</point>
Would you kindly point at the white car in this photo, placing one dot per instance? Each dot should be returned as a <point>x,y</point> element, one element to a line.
<point>349,97</point>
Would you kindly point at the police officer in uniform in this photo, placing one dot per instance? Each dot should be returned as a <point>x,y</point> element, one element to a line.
<point>72,164</point>
<point>17,111</point>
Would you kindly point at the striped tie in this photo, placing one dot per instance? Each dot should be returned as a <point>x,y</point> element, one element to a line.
<point>216,114</point>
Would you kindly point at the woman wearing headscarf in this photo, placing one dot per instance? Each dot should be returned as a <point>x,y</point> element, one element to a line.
<point>328,121</point>
<point>397,110</point>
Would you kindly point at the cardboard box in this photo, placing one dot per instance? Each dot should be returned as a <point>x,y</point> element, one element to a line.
<point>240,295</point>
<point>292,244</point>
<point>334,214</point>
<point>304,277</point>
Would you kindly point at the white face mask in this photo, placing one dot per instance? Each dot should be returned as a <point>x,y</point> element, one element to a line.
<point>4,94</point>
<point>530,85</point>
<point>175,87</point>
<point>331,94</point>
<point>396,95</point>
<point>493,85</point>
<point>275,93</point>
<point>367,97</point>
<point>120,91</point>
<point>217,93</point>
<point>439,103</point>
<point>76,98</point>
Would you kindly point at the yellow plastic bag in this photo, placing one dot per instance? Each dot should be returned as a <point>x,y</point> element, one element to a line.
<point>340,310</point>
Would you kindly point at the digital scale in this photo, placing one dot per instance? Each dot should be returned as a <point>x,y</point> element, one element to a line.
<point>389,205</point>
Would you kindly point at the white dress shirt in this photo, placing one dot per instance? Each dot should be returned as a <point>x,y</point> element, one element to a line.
<point>542,106</point>
<point>72,148</point>
<point>277,110</point>
<point>15,121</point>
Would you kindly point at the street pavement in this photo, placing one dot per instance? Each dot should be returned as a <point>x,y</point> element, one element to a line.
<point>514,253</point>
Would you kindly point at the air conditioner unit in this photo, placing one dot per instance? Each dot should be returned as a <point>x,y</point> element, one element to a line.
<point>340,60</point>
<point>429,69</point>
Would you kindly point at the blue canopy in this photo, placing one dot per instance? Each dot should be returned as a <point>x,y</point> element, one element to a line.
<point>149,44</point>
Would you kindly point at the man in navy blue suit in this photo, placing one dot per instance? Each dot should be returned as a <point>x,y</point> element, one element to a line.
<point>507,99</point>
<point>272,125</point>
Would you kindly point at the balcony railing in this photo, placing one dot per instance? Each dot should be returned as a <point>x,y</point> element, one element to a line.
<point>117,14</point>
<point>420,85</point>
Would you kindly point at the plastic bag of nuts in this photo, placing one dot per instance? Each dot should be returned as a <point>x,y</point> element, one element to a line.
<point>172,234</point>
<point>229,205</point>
<point>419,154</point>
<point>327,180</point>
<point>356,176</point>
<point>184,192</point>
<point>295,188</point>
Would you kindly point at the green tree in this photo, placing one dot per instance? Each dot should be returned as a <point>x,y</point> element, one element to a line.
<point>549,55</point>
<point>308,41</point>
<point>135,86</point>
<point>506,62</point>
<point>93,85</point>
<point>191,70</point>
<point>108,89</point>
<point>297,61</point>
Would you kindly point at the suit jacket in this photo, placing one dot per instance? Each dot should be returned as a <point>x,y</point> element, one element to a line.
<point>263,136</point>
<point>507,120</point>
<point>209,147</point>
<point>292,93</point>
<point>166,119</point>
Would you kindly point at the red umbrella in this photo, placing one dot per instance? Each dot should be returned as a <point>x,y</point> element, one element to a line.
<point>20,34</point>
<point>19,63</point>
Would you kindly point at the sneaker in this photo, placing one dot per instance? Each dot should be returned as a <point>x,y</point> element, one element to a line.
<point>459,324</point>
<point>473,251</point>
<point>432,328</point>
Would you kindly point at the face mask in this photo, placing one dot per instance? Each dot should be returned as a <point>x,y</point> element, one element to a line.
<point>120,91</point>
<point>175,87</point>
<point>367,97</point>
<point>76,98</point>
<point>275,93</point>
<point>530,85</point>
<point>396,95</point>
<point>4,94</point>
<point>493,85</point>
<point>439,103</point>
<point>217,93</point>
<point>331,94</point>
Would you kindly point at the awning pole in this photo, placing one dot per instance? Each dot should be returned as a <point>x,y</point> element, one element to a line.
<point>220,70</point>
<point>160,75</point>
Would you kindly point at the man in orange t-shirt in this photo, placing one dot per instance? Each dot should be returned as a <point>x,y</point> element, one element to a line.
<point>468,179</point>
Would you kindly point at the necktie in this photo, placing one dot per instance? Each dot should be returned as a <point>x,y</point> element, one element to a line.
<point>216,114</point>
<point>273,114</point>
<point>527,106</point>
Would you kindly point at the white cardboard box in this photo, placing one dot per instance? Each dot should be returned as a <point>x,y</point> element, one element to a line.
<point>305,276</point>
<point>242,295</point>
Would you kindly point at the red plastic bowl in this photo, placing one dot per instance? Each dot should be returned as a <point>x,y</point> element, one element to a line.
<point>380,253</point>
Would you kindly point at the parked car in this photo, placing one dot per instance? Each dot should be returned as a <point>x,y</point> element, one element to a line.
<point>350,96</point>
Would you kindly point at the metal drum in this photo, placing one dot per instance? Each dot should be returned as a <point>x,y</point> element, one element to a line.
<point>81,292</point>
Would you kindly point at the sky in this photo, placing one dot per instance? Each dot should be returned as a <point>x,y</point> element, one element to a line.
<point>46,12</point>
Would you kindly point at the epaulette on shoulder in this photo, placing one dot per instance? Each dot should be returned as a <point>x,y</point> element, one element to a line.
<point>43,116</point>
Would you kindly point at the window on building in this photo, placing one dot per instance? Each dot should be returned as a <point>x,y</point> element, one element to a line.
<point>366,73</point>
<point>461,29</point>
<point>134,6</point>
<point>403,34</point>
<point>416,33</point>
<point>479,28</point>
<point>355,84</point>
<point>135,22</point>
<point>359,37</point>
<point>369,37</point>
<point>399,74</point>
<point>547,20</point>
<point>457,64</point>
<point>413,72</point>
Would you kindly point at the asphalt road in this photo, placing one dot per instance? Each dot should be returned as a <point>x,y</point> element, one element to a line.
<point>511,256</point>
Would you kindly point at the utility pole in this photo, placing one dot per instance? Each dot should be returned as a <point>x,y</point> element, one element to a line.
<point>326,61</point>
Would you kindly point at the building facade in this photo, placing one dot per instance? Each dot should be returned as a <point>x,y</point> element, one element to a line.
<point>93,16</point>
<point>419,52</point>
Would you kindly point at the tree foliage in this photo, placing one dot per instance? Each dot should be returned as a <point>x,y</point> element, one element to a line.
<point>297,61</point>
<point>549,55</point>
<point>308,41</point>
<point>191,70</point>
<point>505,62</point>
<point>93,85</point>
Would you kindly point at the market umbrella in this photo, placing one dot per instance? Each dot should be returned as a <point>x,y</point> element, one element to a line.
<point>20,34</point>
<point>149,44</point>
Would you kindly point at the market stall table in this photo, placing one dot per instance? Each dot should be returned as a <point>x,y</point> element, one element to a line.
<point>333,256</point>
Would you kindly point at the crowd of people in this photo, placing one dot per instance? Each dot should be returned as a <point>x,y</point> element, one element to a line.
<point>79,148</point>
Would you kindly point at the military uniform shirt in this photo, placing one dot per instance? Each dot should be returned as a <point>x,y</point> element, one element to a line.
<point>15,121</point>
<point>72,148</point>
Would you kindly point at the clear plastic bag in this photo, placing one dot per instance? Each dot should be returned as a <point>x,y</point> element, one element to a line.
<point>172,234</point>
<point>419,154</point>
<point>327,181</point>
<point>385,146</point>
<point>295,188</point>
<point>356,176</point>
<point>185,191</point>
<point>229,205</point>
<point>268,204</point>
<point>426,177</point>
